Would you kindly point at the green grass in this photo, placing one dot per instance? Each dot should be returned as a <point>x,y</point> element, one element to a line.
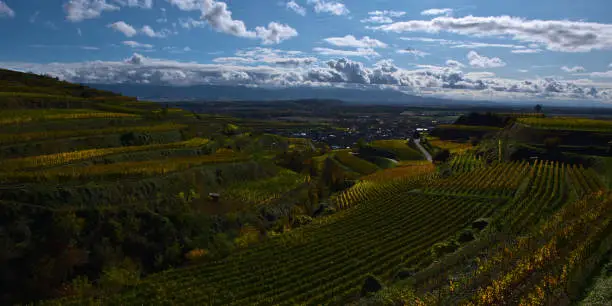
<point>478,128</point>
<point>24,116</point>
<point>399,148</point>
<point>355,163</point>
<point>565,123</point>
<point>264,191</point>
<point>600,294</point>
<point>27,137</point>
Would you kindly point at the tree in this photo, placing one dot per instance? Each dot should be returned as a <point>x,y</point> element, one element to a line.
<point>442,156</point>
<point>552,143</point>
<point>361,143</point>
<point>538,108</point>
<point>370,285</point>
<point>230,129</point>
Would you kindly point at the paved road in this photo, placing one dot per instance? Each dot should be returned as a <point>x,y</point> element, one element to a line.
<point>427,155</point>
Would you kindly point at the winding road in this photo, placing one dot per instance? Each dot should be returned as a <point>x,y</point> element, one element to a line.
<point>427,155</point>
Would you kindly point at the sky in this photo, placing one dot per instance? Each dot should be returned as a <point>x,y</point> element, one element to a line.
<point>461,49</point>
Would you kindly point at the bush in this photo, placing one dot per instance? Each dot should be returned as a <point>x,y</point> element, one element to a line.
<point>465,236</point>
<point>405,273</point>
<point>301,220</point>
<point>480,224</point>
<point>442,248</point>
<point>370,285</point>
<point>442,156</point>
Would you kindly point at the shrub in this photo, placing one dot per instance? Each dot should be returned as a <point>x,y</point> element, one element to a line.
<point>370,285</point>
<point>480,224</point>
<point>301,220</point>
<point>442,156</point>
<point>465,236</point>
<point>196,255</point>
<point>442,248</point>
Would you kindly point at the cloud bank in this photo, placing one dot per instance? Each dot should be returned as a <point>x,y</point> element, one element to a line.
<point>554,35</point>
<point>6,11</point>
<point>298,70</point>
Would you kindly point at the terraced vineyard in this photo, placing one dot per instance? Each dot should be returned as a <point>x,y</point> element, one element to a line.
<point>322,263</point>
<point>108,200</point>
<point>565,123</point>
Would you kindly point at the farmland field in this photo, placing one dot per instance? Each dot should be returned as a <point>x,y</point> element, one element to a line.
<point>567,123</point>
<point>107,200</point>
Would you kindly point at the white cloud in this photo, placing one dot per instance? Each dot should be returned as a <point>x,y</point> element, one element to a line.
<point>79,32</point>
<point>474,45</point>
<point>436,11</point>
<point>573,69</point>
<point>268,56</point>
<point>352,42</point>
<point>190,23</point>
<point>523,70</point>
<point>124,28</point>
<point>137,45</point>
<point>220,19</point>
<point>605,74</point>
<point>526,51</point>
<point>479,75</point>
<point>177,50</point>
<point>427,39</point>
<point>298,9</point>
<point>148,31</point>
<point>136,3</point>
<point>393,14</point>
<point>470,44</point>
<point>556,35</point>
<point>377,19</point>
<point>6,11</point>
<point>90,48</point>
<point>33,17</point>
<point>217,15</point>
<point>79,10</point>
<point>275,33</point>
<point>477,60</point>
<point>188,5</point>
<point>382,16</point>
<point>426,80</point>
<point>454,64</point>
<point>332,7</point>
<point>416,53</point>
<point>362,52</point>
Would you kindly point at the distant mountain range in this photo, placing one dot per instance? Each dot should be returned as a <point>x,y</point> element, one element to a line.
<point>163,93</point>
<point>242,93</point>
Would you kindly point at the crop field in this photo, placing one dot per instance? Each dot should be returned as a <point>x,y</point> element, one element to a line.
<point>261,192</point>
<point>394,205</point>
<point>465,162</point>
<point>25,137</point>
<point>69,157</point>
<point>477,128</point>
<point>24,116</point>
<point>317,264</point>
<point>403,170</point>
<point>107,200</point>
<point>119,170</point>
<point>398,147</point>
<point>355,163</point>
<point>452,146</point>
<point>567,123</point>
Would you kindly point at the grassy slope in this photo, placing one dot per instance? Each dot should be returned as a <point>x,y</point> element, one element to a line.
<point>76,152</point>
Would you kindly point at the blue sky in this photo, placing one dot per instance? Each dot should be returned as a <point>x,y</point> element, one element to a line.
<point>536,49</point>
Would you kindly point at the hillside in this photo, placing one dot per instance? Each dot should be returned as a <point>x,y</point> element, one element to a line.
<point>105,199</point>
